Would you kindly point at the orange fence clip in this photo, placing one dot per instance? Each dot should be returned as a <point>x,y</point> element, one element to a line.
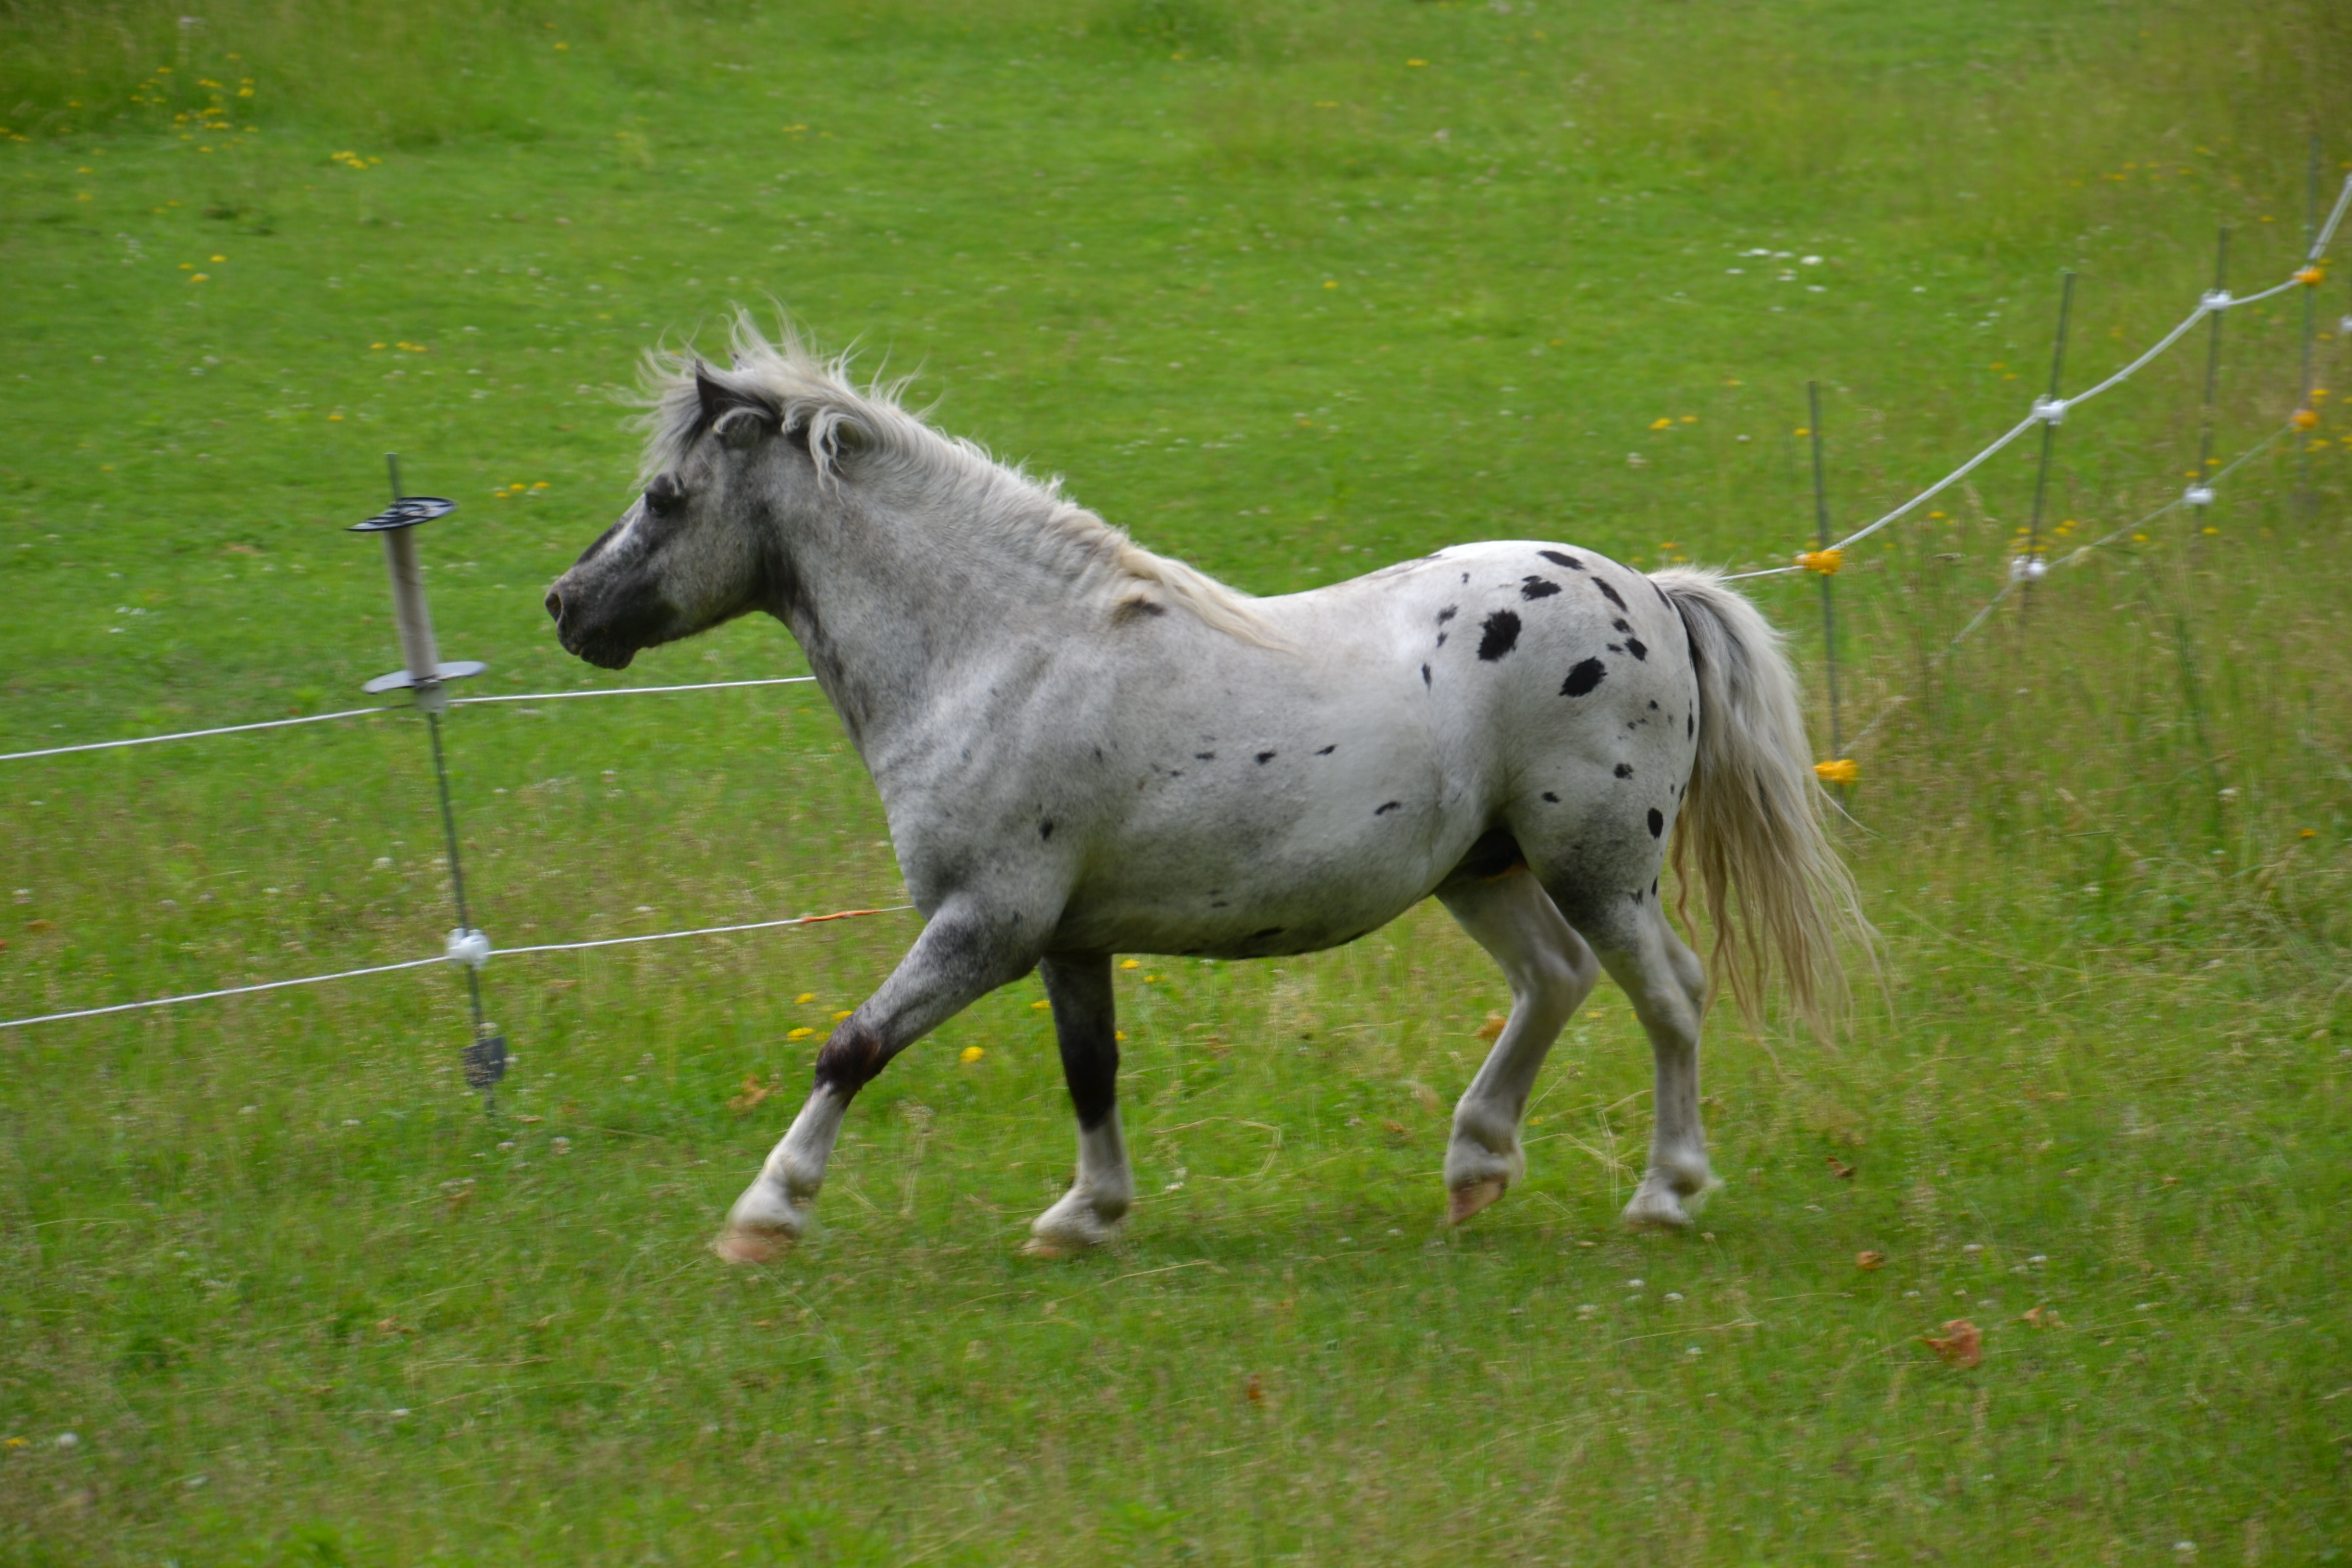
<point>1837,771</point>
<point>1825,562</point>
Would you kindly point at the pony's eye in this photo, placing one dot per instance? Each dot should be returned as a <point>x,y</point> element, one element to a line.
<point>665,494</point>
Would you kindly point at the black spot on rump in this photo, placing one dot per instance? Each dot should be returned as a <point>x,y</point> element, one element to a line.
<point>1328,750</point>
<point>1551,798</point>
<point>1448,613</point>
<point>1620,624</point>
<point>1263,758</point>
<point>1616,647</point>
<point>1625,770</point>
<point>1538,587</point>
<point>1608,593</point>
<point>1502,634</point>
<point>1424,675</point>
<point>1556,559</point>
<point>1690,724</point>
<point>1384,810</point>
<point>1657,822</point>
<point>1634,645</point>
<point>1044,830</point>
<point>1583,677</point>
<point>1205,756</point>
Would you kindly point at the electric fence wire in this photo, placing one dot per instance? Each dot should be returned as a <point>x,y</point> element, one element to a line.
<point>459,953</point>
<point>2052,409</point>
<point>394,708</point>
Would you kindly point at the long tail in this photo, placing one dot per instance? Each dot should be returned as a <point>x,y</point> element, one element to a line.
<point>1775,888</point>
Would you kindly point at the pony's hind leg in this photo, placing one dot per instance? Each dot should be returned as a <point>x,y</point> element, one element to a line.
<point>1086,1023</point>
<point>1550,972</point>
<point>1667,986</point>
<point>963,954</point>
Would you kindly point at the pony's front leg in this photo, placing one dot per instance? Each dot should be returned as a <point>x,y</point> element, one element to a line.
<point>963,954</point>
<point>1086,1022</point>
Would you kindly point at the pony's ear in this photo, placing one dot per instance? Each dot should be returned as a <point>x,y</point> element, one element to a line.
<point>738,420</point>
<point>718,401</point>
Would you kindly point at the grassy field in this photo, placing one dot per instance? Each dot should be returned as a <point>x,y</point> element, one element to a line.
<point>1289,292</point>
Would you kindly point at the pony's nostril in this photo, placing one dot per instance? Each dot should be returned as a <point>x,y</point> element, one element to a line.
<point>555,603</point>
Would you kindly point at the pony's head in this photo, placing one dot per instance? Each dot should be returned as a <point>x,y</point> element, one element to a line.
<point>692,551</point>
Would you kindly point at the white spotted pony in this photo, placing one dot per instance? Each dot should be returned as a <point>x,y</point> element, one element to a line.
<point>1086,749</point>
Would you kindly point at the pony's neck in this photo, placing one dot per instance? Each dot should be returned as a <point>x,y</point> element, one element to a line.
<point>904,590</point>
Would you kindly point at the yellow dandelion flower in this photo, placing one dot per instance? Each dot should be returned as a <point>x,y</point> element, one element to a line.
<point>804,996</point>
<point>1661,424</point>
<point>837,1017</point>
<point>969,1053</point>
<point>1416,62</point>
<point>1039,1006</point>
<point>1130,963</point>
<point>800,1034</point>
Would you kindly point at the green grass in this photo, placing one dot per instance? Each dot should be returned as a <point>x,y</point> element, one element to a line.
<point>1219,266</point>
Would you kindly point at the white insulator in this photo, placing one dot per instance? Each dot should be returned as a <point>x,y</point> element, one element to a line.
<point>2050,410</point>
<point>2028,568</point>
<point>2215,300</point>
<point>2198,495</point>
<point>471,948</point>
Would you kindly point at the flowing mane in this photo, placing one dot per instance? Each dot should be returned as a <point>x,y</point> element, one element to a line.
<point>868,438</point>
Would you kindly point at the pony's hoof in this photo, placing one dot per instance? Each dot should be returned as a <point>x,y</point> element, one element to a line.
<point>744,1244</point>
<point>1463,1202</point>
<point>1656,1208</point>
<point>1050,1251</point>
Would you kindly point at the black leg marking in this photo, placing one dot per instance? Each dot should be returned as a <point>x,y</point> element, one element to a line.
<point>1607,591</point>
<point>1625,770</point>
<point>851,1058</point>
<point>1690,723</point>
<point>1502,634</point>
<point>1086,1027</point>
<point>1424,675</point>
<point>1583,677</point>
<point>1551,798</point>
<point>1538,587</point>
<point>1044,830</point>
<point>1384,810</point>
<point>1556,559</point>
<point>1657,822</point>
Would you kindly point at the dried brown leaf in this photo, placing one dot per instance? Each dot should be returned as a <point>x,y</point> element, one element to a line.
<point>1493,1028</point>
<point>1962,1345</point>
<point>1870,1262</point>
<point>1839,1168</point>
<point>753,1092</point>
